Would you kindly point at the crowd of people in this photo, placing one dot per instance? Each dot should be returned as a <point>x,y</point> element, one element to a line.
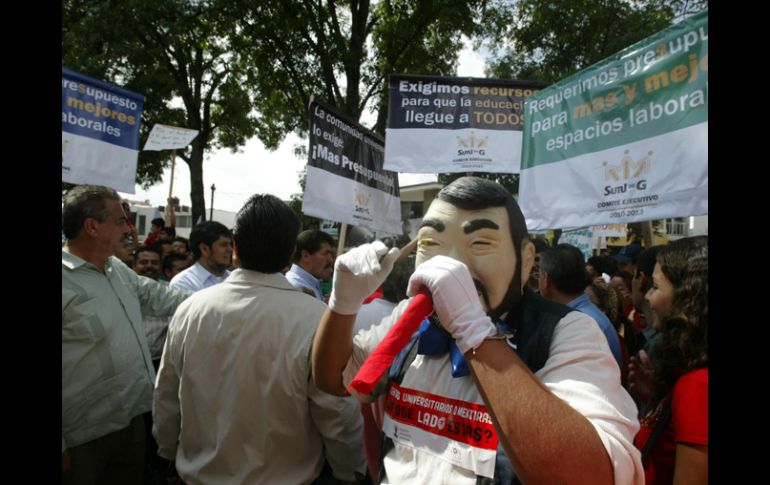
<point>220,359</point>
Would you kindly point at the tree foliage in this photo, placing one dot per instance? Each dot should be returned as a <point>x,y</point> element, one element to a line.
<point>550,40</point>
<point>343,53</point>
<point>248,67</point>
<point>168,51</point>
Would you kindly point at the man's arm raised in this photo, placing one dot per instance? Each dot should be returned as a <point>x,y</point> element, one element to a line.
<point>357,274</point>
<point>332,346</point>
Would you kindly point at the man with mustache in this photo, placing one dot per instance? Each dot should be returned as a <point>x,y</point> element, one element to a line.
<point>107,371</point>
<point>313,261</point>
<point>542,399</point>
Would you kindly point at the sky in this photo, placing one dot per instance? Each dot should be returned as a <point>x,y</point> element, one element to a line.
<point>254,169</point>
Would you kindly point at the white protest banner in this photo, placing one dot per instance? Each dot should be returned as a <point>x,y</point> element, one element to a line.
<point>345,179</point>
<point>99,132</point>
<point>449,124</point>
<point>624,140</point>
<point>610,230</point>
<point>165,137</point>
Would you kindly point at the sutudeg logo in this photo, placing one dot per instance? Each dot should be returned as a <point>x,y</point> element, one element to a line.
<point>627,170</point>
<point>362,201</point>
<point>471,145</point>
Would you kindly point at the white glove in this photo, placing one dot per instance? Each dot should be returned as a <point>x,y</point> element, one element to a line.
<point>358,273</point>
<point>455,300</point>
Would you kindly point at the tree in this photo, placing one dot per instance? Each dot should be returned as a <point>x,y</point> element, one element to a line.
<point>548,41</point>
<point>295,203</point>
<point>168,51</point>
<point>343,53</point>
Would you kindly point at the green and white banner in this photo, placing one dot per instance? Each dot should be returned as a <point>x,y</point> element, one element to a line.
<point>624,140</point>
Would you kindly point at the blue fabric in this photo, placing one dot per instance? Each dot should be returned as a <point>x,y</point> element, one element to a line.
<point>298,278</point>
<point>585,305</point>
<point>435,341</point>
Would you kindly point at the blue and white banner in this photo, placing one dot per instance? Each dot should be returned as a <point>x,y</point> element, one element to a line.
<point>100,132</point>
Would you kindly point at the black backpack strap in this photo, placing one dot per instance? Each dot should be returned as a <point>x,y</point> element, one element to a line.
<point>533,326</point>
<point>660,426</point>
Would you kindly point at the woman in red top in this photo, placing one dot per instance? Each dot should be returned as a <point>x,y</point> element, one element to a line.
<point>679,398</point>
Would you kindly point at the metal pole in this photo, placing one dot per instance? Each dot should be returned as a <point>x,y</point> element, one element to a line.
<point>211,210</point>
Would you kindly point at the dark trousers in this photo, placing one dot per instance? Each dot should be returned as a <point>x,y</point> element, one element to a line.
<point>156,468</point>
<point>116,458</point>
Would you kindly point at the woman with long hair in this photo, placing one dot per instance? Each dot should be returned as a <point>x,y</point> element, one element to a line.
<point>674,432</point>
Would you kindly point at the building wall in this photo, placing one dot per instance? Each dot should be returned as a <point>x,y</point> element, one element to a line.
<point>144,214</point>
<point>687,227</point>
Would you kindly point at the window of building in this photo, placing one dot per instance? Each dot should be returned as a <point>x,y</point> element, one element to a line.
<point>183,221</point>
<point>141,222</point>
<point>411,210</point>
<point>676,226</point>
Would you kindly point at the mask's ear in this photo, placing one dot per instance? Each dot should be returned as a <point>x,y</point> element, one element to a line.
<point>527,261</point>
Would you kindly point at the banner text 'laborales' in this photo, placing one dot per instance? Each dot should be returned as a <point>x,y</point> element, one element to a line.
<point>100,132</point>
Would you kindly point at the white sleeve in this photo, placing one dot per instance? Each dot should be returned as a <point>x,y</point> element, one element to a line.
<point>339,421</point>
<point>166,410</point>
<point>341,426</point>
<point>581,371</point>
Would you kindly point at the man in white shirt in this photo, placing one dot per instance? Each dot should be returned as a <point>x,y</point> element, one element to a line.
<point>234,400</point>
<point>212,247</point>
<point>313,261</point>
<point>497,410</point>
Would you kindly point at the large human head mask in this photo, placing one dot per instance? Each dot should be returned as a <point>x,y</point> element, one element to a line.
<point>478,222</point>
